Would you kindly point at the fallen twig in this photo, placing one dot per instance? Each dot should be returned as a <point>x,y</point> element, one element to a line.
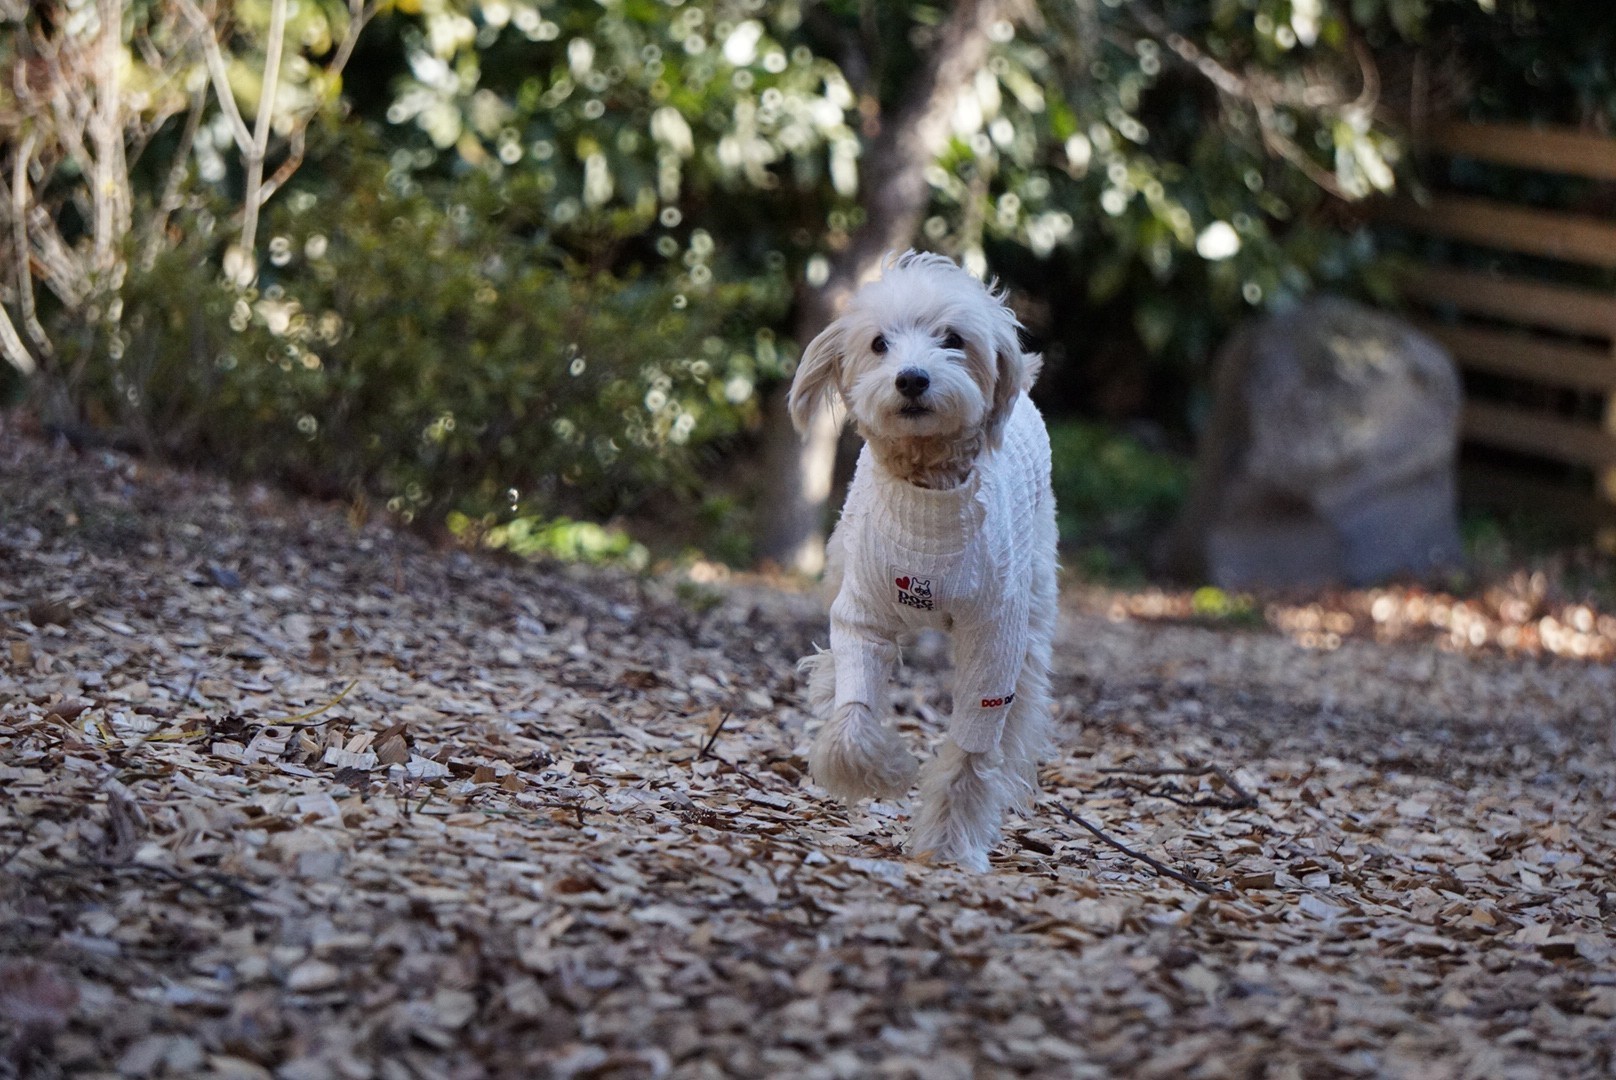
<point>295,722</point>
<point>190,687</point>
<point>194,879</point>
<point>1242,800</point>
<point>1160,867</point>
<point>713,738</point>
<point>1176,795</point>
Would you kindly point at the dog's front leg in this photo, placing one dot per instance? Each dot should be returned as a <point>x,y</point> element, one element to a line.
<point>856,755</point>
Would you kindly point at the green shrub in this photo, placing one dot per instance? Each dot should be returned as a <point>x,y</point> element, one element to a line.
<point>558,538</point>
<point>1114,496</point>
<point>439,349</point>
<point>1211,604</point>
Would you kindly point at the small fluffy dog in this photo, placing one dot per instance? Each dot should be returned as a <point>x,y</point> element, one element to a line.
<point>950,522</point>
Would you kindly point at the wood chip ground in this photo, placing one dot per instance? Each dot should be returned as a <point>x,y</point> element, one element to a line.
<point>286,796</point>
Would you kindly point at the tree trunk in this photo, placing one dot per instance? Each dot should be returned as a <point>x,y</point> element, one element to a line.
<point>893,194</point>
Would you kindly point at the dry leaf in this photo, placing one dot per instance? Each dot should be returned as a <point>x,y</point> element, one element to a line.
<point>35,998</point>
<point>392,750</point>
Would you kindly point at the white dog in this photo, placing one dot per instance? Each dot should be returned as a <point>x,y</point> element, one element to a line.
<point>950,522</point>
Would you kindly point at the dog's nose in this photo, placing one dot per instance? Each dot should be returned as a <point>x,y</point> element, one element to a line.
<point>912,382</point>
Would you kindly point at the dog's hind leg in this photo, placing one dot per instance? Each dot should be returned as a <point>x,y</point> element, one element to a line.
<point>1027,724</point>
<point>1026,736</point>
<point>1028,727</point>
<point>963,797</point>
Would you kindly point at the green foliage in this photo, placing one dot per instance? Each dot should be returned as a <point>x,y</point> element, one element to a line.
<point>1212,604</point>
<point>1177,161</point>
<point>1113,496</point>
<point>716,115</point>
<point>1169,159</point>
<point>726,529</point>
<point>558,538</point>
<point>430,345</point>
<point>698,598</point>
<point>1528,60</point>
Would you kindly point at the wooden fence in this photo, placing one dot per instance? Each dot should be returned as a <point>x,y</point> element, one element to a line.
<point>1546,335</point>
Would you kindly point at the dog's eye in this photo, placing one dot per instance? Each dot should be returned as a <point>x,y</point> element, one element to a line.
<point>879,345</point>
<point>952,340</point>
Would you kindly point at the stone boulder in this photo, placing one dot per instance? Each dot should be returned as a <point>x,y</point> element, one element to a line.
<point>1329,456</point>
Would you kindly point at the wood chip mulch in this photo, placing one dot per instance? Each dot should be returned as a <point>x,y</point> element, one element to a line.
<point>284,795</point>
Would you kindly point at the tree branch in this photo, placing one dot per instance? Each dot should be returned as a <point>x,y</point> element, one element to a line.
<point>19,192</point>
<point>218,75</point>
<point>169,200</point>
<point>1160,868</point>
<point>58,267</point>
<point>293,162</point>
<point>11,345</point>
<point>112,198</point>
<point>359,16</point>
<point>253,200</point>
<point>1261,93</point>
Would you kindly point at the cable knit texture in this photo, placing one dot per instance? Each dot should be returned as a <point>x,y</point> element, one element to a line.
<point>962,560</point>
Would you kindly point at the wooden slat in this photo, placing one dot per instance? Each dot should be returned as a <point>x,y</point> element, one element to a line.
<point>1522,356</point>
<point>1569,237</point>
<point>1555,150</point>
<point>1580,312</point>
<point>1507,489</point>
<point>1553,307</point>
<point>1534,433</point>
<point>1607,479</point>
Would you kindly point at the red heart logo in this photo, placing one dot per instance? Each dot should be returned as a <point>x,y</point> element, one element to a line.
<point>903,583</point>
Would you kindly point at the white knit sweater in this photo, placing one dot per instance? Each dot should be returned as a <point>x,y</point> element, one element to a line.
<point>960,559</point>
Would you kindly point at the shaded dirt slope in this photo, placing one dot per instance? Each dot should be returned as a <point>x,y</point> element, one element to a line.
<point>559,826</point>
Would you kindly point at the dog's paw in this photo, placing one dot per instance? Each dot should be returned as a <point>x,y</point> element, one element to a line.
<point>855,756</point>
<point>938,846</point>
<point>962,802</point>
<point>939,838</point>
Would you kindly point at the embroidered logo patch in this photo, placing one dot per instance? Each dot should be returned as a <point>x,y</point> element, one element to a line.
<point>915,592</point>
<point>997,702</point>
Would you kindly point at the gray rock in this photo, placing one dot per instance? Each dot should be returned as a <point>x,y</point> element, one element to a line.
<point>1329,457</point>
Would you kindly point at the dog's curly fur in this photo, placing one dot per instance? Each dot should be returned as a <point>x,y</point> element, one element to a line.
<point>927,314</point>
<point>854,756</point>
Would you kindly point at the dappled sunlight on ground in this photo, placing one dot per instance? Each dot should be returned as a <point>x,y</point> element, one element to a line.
<point>1516,618</point>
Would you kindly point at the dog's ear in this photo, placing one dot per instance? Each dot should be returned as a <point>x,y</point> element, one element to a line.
<point>818,378</point>
<point>1010,375</point>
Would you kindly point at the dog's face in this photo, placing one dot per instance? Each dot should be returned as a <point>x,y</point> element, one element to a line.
<point>925,351</point>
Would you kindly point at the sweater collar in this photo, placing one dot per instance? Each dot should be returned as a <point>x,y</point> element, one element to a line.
<point>925,520</point>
